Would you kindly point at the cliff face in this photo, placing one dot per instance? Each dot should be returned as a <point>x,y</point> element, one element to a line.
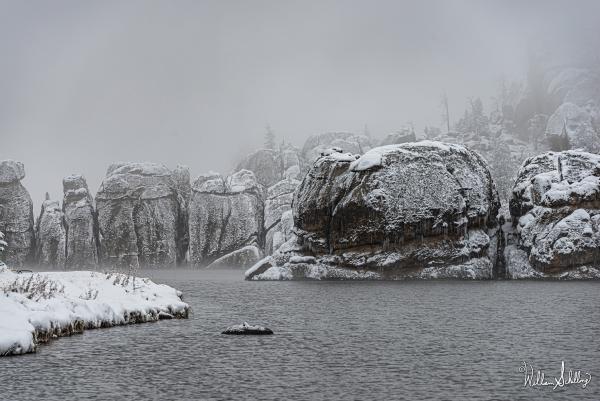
<point>422,209</point>
<point>139,208</point>
<point>16,214</point>
<point>51,235</point>
<point>225,214</point>
<point>278,219</point>
<point>555,210</point>
<point>80,223</point>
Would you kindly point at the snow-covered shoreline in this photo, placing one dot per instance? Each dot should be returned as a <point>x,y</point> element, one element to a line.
<point>37,307</point>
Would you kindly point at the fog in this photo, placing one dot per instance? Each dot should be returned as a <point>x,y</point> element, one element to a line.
<point>84,84</point>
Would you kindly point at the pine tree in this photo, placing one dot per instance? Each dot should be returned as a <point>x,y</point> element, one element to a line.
<point>445,111</point>
<point>474,120</point>
<point>269,138</point>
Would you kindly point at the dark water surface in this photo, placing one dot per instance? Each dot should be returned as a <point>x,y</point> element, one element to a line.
<point>446,340</point>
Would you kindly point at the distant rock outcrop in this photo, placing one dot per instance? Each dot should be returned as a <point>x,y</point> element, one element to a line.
<point>266,165</point>
<point>51,235</point>
<point>271,166</point>
<point>139,207</point>
<point>181,174</point>
<point>555,210</point>
<point>572,127</point>
<point>423,210</point>
<point>16,214</point>
<point>80,223</point>
<point>316,144</point>
<point>224,215</point>
<point>394,138</point>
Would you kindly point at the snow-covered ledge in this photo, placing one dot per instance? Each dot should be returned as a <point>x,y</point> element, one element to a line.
<point>36,307</point>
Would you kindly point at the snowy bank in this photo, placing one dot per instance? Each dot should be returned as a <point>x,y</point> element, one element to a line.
<point>36,307</point>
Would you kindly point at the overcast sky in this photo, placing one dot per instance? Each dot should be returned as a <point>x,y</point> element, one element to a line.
<point>87,83</point>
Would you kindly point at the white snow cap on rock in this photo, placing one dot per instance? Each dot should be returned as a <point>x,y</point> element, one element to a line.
<point>374,157</point>
<point>338,154</point>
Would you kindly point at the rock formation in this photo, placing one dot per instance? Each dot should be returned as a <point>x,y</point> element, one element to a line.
<point>271,166</point>
<point>51,235</point>
<point>240,258</point>
<point>403,136</point>
<point>316,144</point>
<point>80,223</point>
<point>224,215</point>
<point>278,216</point>
<point>139,207</point>
<point>555,210</point>
<point>265,164</point>
<point>424,209</point>
<point>181,174</point>
<point>16,214</point>
<point>572,127</point>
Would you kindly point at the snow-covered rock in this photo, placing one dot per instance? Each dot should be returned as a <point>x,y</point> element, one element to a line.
<point>271,166</point>
<point>51,236</point>
<point>226,214</point>
<point>36,307</point>
<point>181,175</point>
<point>278,203</point>
<point>247,329</point>
<point>80,223</point>
<point>240,258</point>
<point>317,144</point>
<point>139,209</point>
<point>403,136</point>
<point>572,127</point>
<point>266,164</point>
<point>418,210</point>
<point>16,214</point>
<point>555,211</point>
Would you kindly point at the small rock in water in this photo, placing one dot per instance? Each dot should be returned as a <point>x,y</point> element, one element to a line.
<point>247,329</point>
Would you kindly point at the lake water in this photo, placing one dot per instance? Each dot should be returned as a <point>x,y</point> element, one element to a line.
<point>418,340</point>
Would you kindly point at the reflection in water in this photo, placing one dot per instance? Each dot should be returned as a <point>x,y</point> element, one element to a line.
<point>333,340</point>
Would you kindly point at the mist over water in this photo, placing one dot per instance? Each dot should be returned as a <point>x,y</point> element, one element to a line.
<point>83,85</point>
<point>333,340</point>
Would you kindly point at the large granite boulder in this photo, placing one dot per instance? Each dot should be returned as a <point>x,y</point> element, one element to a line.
<point>81,224</point>
<point>51,235</point>
<point>555,210</point>
<point>317,144</point>
<point>16,215</point>
<point>278,214</point>
<point>139,207</point>
<point>422,210</point>
<point>225,214</point>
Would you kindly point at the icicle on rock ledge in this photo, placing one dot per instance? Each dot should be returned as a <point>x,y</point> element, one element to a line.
<point>37,307</point>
